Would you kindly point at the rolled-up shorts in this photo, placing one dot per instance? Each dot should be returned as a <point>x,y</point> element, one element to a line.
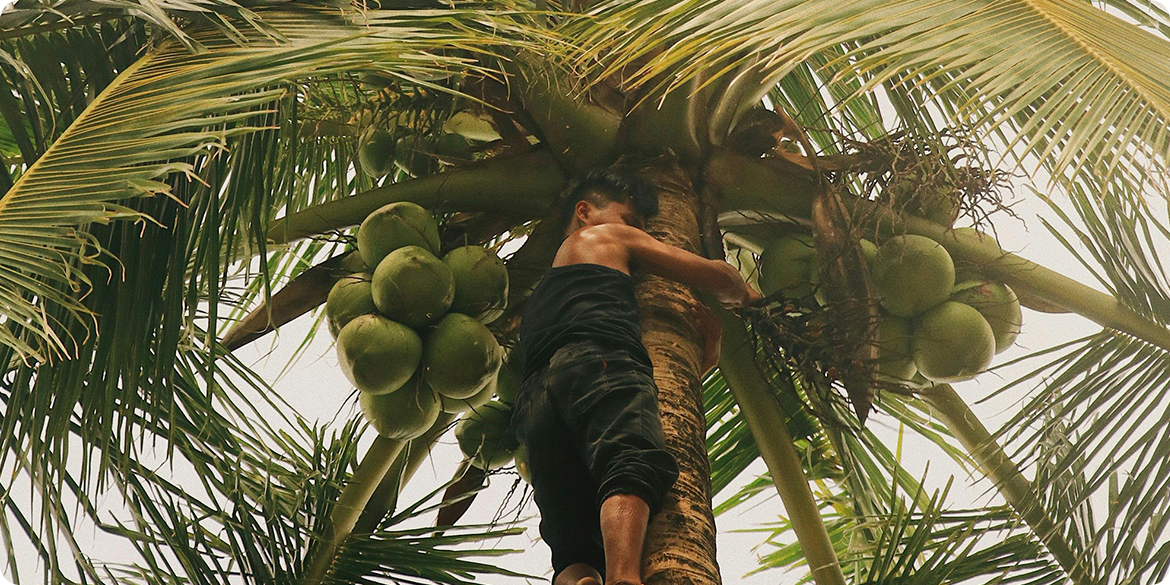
<point>590,423</point>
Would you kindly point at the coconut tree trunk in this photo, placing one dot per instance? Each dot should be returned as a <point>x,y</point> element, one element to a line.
<point>680,543</point>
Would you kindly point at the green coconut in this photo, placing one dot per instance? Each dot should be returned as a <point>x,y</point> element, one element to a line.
<point>394,226</point>
<point>412,286</point>
<point>376,154</point>
<point>461,405</point>
<point>484,438</point>
<point>481,282</point>
<point>506,384</point>
<point>350,297</point>
<point>787,265</point>
<point>998,303</point>
<point>926,192</point>
<point>404,414</point>
<point>460,356</point>
<point>378,355</point>
<point>353,262</point>
<point>912,274</point>
<point>521,462</point>
<point>938,204</point>
<point>452,146</point>
<point>868,251</point>
<point>952,342</point>
<point>479,127</point>
<point>895,357</point>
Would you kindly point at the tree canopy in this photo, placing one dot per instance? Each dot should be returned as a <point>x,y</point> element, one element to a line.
<point>180,178</point>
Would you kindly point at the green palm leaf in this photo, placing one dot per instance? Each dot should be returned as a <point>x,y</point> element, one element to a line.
<point>168,107</point>
<point>1080,89</point>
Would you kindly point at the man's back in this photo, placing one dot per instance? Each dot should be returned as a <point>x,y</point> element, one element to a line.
<point>581,302</point>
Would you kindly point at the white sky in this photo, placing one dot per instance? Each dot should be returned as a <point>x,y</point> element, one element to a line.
<point>317,389</point>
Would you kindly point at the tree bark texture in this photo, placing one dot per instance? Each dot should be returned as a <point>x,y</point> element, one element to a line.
<point>680,542</point>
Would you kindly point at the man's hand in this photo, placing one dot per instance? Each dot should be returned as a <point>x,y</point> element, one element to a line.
<point>747,297</point>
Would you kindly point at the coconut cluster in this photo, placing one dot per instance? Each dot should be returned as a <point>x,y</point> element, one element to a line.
<point>381,151</point>
<point>929,325</point>
<point>411,326</point>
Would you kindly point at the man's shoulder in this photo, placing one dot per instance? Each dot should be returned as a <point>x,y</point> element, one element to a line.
<point>608,230</point>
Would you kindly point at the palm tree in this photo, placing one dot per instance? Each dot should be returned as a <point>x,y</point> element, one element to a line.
<point>169,166</point>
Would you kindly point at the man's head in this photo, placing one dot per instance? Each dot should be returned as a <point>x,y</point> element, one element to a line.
<point>604,196</point>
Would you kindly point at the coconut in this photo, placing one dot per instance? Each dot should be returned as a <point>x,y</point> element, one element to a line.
<point>506,384</point>
<point>404,414</point>
<point>484,437</point>
<point>868,251</point>
<point>394,226</point>
<point>350,297</point>
<point>911,274</point>
<point>460,405</point>
<point>460,356</point>
<point>787,265</point>
<point>895,357</point>
<point>452,146</point>
<point>998,303</point>
<point>481,282</point>
<point>353,262</point>
<point>412,286</point>
<point>938,204</point>
<point>479,127</point>
<point>952,342</point>
<point>376,154</point>
<point>521,458</point>
<point>376,354</point>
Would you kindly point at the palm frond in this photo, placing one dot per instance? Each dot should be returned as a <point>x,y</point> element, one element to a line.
<point>923,540</point>
<point>1080,89</point>
<point>1096,432</point>
<point>34,17</point>
<point>49,78</point>
<point>1095,427</point>
<point>169,106</point>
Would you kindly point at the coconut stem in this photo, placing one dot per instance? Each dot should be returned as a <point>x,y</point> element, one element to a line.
<point>581,132</point>
<point>766,421</point>
<point>302,294</point>
<point>385,497</point>
<point>349,506</point>
<point>521,185</point>
<point>950,408</point>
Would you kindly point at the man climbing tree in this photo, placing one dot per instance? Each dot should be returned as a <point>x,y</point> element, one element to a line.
<point>587,410</point>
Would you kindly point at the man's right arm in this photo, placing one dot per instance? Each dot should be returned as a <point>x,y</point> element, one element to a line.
<point>715,276</point>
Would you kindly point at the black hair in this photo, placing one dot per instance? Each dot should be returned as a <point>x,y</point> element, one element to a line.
<point>603,186</point>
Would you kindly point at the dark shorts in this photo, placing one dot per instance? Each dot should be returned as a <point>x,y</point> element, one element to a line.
<point>590,423</point>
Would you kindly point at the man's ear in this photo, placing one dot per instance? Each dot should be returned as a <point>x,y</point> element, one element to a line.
<point>582,209</point>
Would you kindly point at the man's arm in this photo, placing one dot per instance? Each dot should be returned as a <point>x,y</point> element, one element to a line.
<point>715,276</point>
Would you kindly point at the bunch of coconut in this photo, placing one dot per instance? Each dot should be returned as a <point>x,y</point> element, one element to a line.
<point>928,324</point>
<point>484,435</point>
<point>410,327</point>
<point>380,151</point>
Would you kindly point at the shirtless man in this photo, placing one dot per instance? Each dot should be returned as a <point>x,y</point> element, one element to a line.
<point>587,409</point>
